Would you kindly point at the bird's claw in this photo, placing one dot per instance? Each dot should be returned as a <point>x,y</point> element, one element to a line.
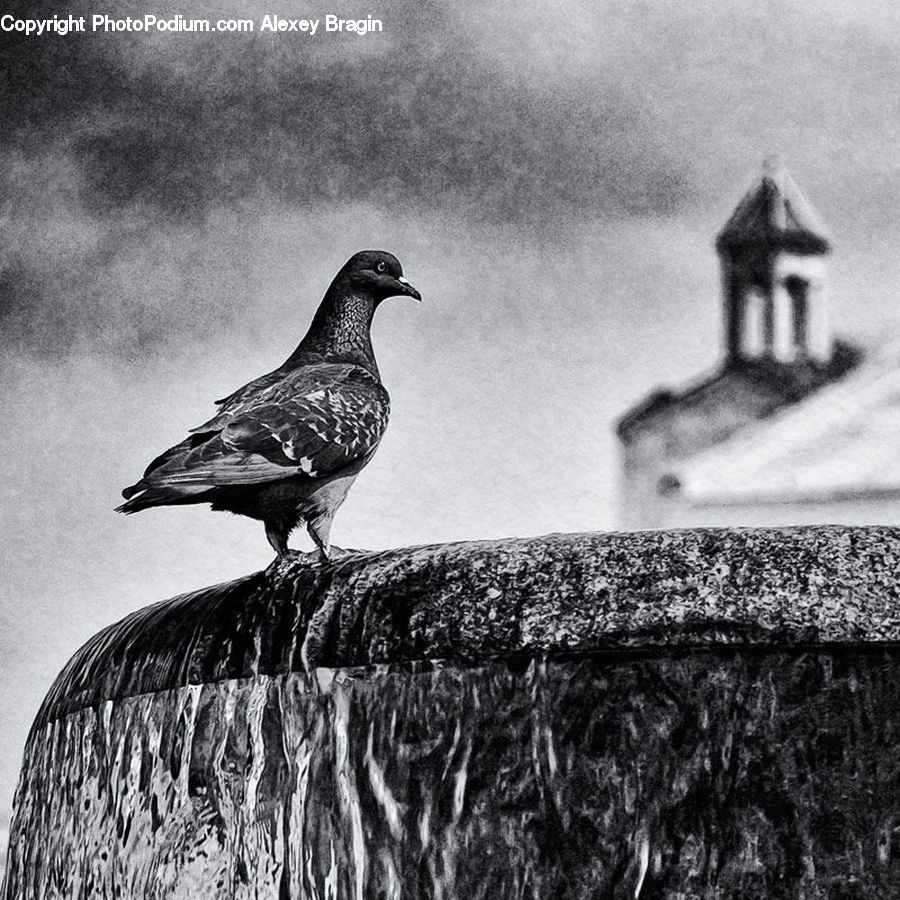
<point>313,559</point>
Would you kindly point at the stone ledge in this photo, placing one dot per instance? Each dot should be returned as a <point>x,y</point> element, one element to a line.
<point>473,602</point>
<point>698,714</point>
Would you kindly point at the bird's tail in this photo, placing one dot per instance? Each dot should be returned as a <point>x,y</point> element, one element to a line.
<point>137,488</point>
<point>142,496</point>
<point>136,498</point>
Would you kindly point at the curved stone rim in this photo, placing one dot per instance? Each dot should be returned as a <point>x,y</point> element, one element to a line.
<point>473,602</point>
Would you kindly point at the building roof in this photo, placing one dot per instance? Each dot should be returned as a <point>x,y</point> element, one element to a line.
<point>783,384</point>
<point>843,441</point>
<point>774,213</point>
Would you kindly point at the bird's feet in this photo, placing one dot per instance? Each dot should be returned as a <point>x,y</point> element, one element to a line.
<point>291,558</point>
<point>314,559</point>
<point>323,557</point>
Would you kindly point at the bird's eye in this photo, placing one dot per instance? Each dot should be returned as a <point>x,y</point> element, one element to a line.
<point>380,266</point>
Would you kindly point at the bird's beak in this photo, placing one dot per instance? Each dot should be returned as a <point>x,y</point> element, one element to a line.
<point>407,289</point>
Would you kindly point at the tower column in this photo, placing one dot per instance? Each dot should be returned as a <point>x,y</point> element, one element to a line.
<point>820,345</point>
<point>733,313</point>
<point>783,347</point>
<point>755,331</point>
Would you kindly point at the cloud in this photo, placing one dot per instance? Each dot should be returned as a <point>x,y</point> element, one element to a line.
<point>119,151</point>
<point>215,119</point>
<point>136,140</point>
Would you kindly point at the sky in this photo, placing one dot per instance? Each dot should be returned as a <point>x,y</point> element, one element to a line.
<point>173,206</point>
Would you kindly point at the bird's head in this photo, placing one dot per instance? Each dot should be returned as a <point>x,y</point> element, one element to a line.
<point>380,274</point>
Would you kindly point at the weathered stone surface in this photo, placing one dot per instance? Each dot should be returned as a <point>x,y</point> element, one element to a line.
<point>668,715</point>
<point>472,602</point>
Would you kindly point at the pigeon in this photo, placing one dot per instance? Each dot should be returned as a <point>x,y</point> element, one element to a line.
<point>286,447</point>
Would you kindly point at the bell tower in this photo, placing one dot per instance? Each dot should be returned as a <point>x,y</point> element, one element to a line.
<point>773,256</point>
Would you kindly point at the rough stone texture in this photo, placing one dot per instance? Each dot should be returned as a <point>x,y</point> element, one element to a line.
<point>705,714</point>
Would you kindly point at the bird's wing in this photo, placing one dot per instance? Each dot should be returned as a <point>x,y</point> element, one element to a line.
<point>235,401</point>
<point>229,406</point>
<point>314,422</point>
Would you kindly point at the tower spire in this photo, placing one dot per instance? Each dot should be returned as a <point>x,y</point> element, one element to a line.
<point>772,250</point>
<point>773,165</point>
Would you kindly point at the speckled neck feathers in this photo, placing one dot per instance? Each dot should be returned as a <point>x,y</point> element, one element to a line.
<point>340,330</point>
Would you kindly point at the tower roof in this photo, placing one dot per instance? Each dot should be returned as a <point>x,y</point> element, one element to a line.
<point>774,214</point>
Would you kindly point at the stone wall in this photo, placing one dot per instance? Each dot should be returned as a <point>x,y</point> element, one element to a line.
<point>661,714</point>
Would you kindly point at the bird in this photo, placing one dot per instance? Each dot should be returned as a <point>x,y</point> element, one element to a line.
<point>286,447</point>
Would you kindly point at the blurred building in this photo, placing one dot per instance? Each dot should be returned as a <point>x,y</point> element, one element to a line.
<point>794,426</point>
